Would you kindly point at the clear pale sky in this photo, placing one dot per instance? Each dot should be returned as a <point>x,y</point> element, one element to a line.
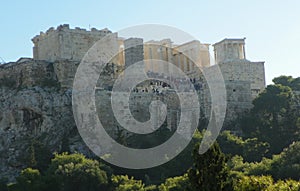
<point>271,27</point>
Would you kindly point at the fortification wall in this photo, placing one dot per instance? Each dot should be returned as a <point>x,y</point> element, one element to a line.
<point>242,70</point>
<point>65,43</point>
<point>139,104</point>
<point>244,80</point>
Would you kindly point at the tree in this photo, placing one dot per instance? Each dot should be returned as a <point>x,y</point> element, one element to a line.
<point>285,165</point>
<point>176,184</point>
<point>29,180</point>
<point>175,167</point>
<point>285,185</point>
<point>230,144</point>
<point>209,172</point>
<point>123,183</point>
<point>254,150</point>
<point>253,183</point>
<point>264,183</point>
<point>288,163</point>
<point>293,83</point>
<point>75,172</point>
<point>273,118</point>
<point>283,80</point>
<point>251,149</point>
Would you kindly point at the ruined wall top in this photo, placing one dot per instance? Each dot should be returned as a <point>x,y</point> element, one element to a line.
<point>64,43</point>
<point>66,28</point>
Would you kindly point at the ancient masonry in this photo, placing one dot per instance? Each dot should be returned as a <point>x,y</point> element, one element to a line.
<point>35,93</point>
<point>244,79</point>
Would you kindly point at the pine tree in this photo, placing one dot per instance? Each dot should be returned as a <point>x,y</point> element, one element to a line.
<point>209,172</point>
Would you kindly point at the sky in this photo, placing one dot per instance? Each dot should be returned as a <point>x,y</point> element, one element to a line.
<point>271,27</point>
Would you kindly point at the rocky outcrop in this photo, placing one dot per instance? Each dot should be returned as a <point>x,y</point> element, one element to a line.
<point>33,106</point>
<point>31,113</point>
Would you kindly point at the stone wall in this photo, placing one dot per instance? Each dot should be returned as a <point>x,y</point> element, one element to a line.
<point>243,70</point>
<point>134,51</point>
<point>139,105</point>
<point>65,43</point>
<point>244,80</point>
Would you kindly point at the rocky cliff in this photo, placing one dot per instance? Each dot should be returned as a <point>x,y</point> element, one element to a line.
<point>35,104</point>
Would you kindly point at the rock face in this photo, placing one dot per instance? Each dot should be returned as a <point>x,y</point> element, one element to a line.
<point>32,107</point>
<point>31,113</point>
<point>36,104</point>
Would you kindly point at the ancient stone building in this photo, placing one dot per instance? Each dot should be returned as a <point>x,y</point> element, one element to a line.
<point>64,43</point>
<point>229,49</point>
<point>184,56</point>
<point>158,50</point>
<point>65,47</point>
<point>35,93</point>
<point>244,79</point>
<point>196,51</point>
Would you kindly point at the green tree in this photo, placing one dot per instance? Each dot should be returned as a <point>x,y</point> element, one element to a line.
<point>29,180</point>
<point>293,83</point>
<point>285,165</point>
<point>288,163</point>
<point>283,80</point>
<point>75,172</point>
<point>253,183</point>
<point>209,172</point>
<point>176,184</point>
<point>273,118</point>
<point>250,149</point>
<point>230,144</point>
<point>254,150</point>
<point>123,183</point>
<point>285,185</point>
<point>175,167</point>
<point>264,183</point>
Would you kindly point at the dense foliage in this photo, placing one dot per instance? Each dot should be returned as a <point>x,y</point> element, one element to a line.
<point>275,117</point>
